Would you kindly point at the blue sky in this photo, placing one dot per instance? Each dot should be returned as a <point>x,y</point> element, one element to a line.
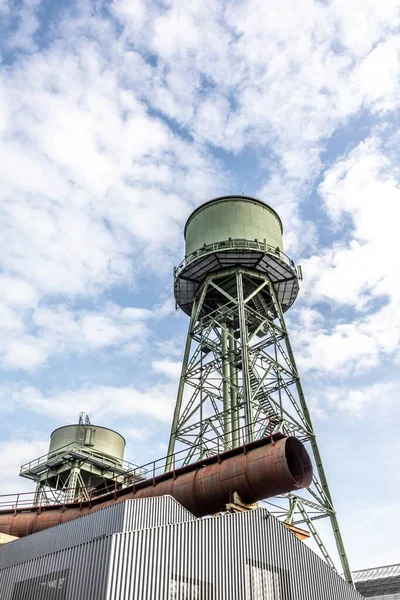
<point>116,120</point>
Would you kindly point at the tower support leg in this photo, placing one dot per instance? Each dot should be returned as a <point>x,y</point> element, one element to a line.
<point>239,382</point>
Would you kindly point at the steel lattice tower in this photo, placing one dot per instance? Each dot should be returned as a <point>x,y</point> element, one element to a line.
<point>239,380</point>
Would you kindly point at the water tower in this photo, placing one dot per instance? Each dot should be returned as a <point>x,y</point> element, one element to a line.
<point>239,380</point>
<point>83,461</point>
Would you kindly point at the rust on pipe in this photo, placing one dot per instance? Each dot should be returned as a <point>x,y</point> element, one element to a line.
<point>256,471</point>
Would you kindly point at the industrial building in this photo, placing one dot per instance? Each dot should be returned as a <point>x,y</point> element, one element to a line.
<point>98,528</point>
<point>380,583</point>
<point>153,548</point>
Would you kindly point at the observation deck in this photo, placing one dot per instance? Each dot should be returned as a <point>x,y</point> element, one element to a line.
<point>230,233</point>
<point>247,254</point>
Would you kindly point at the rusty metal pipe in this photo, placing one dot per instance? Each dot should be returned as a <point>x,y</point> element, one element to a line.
<point>257,471</point>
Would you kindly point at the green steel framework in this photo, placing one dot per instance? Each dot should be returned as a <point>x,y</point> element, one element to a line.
<point>239,373</point>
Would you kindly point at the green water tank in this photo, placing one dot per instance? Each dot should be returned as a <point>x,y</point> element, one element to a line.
<point>235,218</point>
<point>234,232</point>
<point>93,439</point>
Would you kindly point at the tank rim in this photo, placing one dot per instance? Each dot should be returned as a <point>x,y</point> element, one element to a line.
<point>91,425</point>
<point>237,196</point>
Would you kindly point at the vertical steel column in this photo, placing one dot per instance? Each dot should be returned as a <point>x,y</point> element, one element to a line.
<point>38,493</point>
<point>248,413</point>
<point>313,441</point>
<point>293,503</point>
<point>201,398</point>
<point>225,386</point>
<point>72,484</point>
<point>178,405</point>
<point>234,387</point>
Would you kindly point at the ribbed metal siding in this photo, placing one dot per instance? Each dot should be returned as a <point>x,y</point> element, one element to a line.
<point>60,537</point>
<point>215,552</point>
<point>86,580</point>
<point>130,515</point>
<point>153,512</point>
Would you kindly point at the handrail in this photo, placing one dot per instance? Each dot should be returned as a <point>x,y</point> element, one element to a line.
<point>376,573</point>
<point>75,445</point>
<point>235,244</point>
<point>48,497</point>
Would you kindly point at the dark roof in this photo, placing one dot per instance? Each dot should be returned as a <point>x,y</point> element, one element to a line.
<point>380,581</point>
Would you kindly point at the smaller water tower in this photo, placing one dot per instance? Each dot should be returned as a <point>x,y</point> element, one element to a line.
<point>83,461</point>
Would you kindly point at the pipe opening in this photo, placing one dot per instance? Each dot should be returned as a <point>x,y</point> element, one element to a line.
<point>298,462</point>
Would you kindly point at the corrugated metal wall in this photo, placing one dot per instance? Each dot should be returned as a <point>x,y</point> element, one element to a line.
<point>78,573</point>
<point>248,556</point>
<point>153,512</point>
<point>125,516</point>
<point>71,533</point>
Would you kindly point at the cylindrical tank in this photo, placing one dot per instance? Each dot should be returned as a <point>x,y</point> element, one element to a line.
<point>97,440</point>
<point>235,218</point>
<point>234,232</point>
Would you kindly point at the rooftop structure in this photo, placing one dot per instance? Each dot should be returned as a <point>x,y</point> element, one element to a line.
<point>153,548</point>
<point>83,460</point>
<point>239,435</point>
<point>381,583</point>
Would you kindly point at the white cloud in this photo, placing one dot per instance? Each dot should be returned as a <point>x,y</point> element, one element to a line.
<point>288,69</point>
<point>353,346</point>
<point>20,21</point>
<point>372,400</point>
<point>103,175</point>
<point>15,452</point>
<point>138,434</point>
<point>25,353</point>
<point>31,337</point>
<point>104,181</point>
<point>364,23</point>
<point>94,189</point>
<point>100,402</point>
<point>169,368</point>
<point>359,271</point>
<point>170,348</point>
<point>281,77</point>
<point>165,309</point>
<point>17,292</point>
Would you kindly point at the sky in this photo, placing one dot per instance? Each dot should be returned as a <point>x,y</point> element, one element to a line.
<point>117,119</point>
